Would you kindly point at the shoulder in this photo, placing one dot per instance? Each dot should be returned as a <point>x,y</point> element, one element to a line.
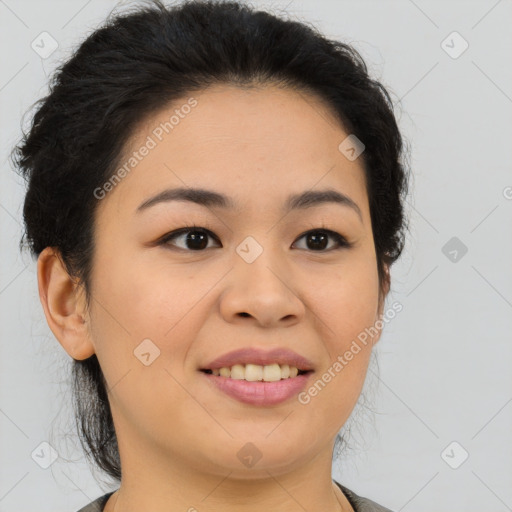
<point>98,504</point>
<point>360,504</point>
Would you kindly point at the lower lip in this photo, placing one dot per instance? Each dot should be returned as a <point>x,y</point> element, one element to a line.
<point>260,393</point>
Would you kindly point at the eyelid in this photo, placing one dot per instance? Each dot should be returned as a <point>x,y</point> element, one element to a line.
<point>341,241</point>
<point>165,239</point>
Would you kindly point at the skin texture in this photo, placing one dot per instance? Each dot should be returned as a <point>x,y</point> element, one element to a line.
<point>178,436</point>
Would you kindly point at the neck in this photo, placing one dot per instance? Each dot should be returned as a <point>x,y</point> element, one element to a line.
<point>154,482</point>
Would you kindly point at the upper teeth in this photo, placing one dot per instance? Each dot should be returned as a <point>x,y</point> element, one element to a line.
<point>254,372</point>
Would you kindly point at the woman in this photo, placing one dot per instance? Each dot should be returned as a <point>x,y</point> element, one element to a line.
<point>215,198</point>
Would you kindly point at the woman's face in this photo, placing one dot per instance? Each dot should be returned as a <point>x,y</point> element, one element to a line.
<point>162,311</point>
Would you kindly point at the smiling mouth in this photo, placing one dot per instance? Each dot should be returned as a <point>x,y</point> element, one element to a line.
<point>257,373</point>
<point>256,385</point>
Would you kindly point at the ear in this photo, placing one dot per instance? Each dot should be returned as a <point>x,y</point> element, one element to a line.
<point>382,299</point>
<point>63,304</point>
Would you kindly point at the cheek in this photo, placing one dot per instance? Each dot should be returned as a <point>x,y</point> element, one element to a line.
<point>347,305</point>
<point>135,291</point>
<point>137,312</point>
<point>153,300</point>
<point>348,299</point>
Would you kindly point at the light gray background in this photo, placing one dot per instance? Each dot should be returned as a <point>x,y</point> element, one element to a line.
<point>444,360</point>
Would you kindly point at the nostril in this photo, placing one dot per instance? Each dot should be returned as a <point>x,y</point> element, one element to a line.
<point>244,314</point>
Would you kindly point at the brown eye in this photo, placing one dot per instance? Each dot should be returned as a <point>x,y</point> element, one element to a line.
<point>192,238</point>
<point>318,240</point>
<point>195,238</point>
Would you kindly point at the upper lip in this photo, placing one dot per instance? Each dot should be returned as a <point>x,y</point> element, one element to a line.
<point>260,357</point>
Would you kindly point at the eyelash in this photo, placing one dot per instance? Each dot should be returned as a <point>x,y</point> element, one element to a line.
<point>340,240</point>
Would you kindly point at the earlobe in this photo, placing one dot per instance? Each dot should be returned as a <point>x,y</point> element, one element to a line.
<point>385,290</point>
<point>64,311</point>
<point>382,300</point>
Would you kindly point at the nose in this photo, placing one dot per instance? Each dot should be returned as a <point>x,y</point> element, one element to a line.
<point>262,292</point>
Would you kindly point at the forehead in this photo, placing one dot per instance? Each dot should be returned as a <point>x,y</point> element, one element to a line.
<point>256,145</point>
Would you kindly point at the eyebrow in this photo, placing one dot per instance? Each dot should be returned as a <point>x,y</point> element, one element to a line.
<point>212,199</point>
